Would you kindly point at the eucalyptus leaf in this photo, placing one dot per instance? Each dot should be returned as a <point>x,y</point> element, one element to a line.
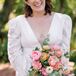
<point>46,41</point>
<point>36,48</point>
<point>34,73</point>
<point>55,73</point>
<point>45,63</point>
<point>67,55</point>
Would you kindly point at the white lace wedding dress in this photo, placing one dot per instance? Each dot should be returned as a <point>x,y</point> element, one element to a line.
<point>22,40</point>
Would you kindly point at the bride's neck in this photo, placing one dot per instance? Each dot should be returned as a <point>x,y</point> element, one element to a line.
<point>38,14</point>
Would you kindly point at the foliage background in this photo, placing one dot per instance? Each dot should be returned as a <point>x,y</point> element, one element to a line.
<point>12,8</point>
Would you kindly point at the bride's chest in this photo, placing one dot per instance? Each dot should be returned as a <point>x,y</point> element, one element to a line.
<point>40,27</point>
<point>29,36</point>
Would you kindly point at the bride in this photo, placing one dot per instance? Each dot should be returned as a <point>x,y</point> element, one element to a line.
<point>30,29</point>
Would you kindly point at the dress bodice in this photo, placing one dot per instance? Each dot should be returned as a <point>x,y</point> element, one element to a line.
<point>54,32</point>
<point>22,40</point>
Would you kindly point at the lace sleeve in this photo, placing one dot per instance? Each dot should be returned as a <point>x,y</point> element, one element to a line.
<point>67,33</point>
<point>15,53</point>
<point>66,39</point>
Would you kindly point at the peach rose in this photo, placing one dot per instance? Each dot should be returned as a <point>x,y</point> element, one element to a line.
<point>52,61</point>
<point>44,56</point>
<point>58,53</point>
<point>57,66</point>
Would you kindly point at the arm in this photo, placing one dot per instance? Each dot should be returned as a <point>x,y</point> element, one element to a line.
<point>67,29</point>
<point>67,33</point>
<point>15,53</point>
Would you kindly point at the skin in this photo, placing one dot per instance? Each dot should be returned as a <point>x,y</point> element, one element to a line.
<point>38,18</point>
<point>38,7</point>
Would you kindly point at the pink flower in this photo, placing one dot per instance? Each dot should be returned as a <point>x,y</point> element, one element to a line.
<point>43,71</point>
<point>51,52</point>
<point>64,60</point>
<point>58,53</point>
<point>52,61</point>
<point>55,47</point>
<point>36,55</point>
<point>36,65</point>
<point>57,65</point>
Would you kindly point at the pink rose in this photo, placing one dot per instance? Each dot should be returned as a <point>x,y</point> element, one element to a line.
<point>58,53</point>
<point>55,47</point>
<point>36,65</point>
<point>57,65</point>
<point>36,55</point>
<point>43,71</point>
<point>52,61</point>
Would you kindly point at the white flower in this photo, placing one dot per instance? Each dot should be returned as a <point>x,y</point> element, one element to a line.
<point>40,49</point>
<point>49,69</point>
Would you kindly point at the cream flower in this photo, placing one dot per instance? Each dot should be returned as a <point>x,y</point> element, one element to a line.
<point>49,69</point>
<point>46,47</point>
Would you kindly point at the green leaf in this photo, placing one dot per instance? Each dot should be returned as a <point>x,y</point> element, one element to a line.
<point>34,73</point>
<point>36,48</point>
<point>45,63</point>
<point>46,41</point>
<point>55,73</point>
<point>67,55</point>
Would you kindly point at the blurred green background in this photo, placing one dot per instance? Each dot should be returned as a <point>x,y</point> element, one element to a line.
<point>12,8</point>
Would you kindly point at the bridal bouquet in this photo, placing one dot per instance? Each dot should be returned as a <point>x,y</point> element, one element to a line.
<point>46,61</point>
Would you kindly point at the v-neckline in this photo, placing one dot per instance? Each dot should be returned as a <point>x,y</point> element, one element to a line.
<point>33,31</point>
